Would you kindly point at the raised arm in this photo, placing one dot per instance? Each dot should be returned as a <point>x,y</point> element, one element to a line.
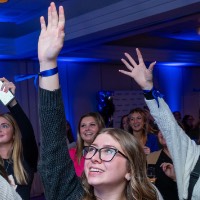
<point>50,44</point>
<point>184,152</point>
<point>139,72</point>
<point>55,166</point>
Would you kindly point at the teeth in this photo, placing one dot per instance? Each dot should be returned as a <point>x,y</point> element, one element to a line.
<point>88,133</point>
<point>94,170</point>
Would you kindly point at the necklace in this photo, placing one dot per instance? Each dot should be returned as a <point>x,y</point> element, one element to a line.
<point>8,162</point>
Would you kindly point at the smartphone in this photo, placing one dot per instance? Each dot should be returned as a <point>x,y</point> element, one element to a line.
<point>5,97</point>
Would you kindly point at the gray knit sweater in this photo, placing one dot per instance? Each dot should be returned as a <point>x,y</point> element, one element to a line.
<point>6,191</point>
<point>183,150</point>
<point>55,166</point>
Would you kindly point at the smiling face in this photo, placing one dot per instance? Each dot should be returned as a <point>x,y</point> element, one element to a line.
<point>88,129</point>
<point>136,121</point>
<point>104,175</point>
<point>6,131</point>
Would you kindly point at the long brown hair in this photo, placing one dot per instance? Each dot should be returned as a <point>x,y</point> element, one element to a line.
<point>80,143</point>
<point>139,187</point>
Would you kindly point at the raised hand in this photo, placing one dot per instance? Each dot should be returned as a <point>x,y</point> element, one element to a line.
<point>139,72</point>
<point>8,86</point>
<point>168,169</point>
<point>51,37</point>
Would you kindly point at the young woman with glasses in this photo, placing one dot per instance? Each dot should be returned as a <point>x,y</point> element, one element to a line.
<point>115,165</point>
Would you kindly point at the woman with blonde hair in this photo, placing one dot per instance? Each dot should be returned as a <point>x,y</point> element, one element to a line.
<point>88,127</point>
<point>115,165</point>
<point>18,148</point>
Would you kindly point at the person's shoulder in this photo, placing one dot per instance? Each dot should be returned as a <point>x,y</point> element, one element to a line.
<point>72,145</point>
<point>159,196</point>
<point>6,191</point>
<point>154,153</point>
<point>72,151</point>
<point>153,157</point>
<point>151,136</point>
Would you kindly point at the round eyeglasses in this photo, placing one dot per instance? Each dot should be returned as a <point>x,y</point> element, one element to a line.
<point>105,154</point>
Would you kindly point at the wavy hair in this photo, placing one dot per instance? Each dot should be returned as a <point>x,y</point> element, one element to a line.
<point>15,154</point>
<point>80,143</point>
<point>139,187</point>
<point>146,127</point>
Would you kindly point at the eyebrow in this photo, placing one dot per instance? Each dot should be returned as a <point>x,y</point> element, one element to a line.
<point>88,122</point>
<point>4,123</point>
<point>104,146</point>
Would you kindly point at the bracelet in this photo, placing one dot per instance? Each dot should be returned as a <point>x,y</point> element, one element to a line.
<point>46,73</point>
<point>153,94</point>
<point>49,72</point>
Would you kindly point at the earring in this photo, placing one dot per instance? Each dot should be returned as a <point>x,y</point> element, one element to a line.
<point>128,177</point>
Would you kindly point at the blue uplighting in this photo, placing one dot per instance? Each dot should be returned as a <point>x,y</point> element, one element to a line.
<point>170,81</point>
<point>177,64</point>
<point>79,59</point>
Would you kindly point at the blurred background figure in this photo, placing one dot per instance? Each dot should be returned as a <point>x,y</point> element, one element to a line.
<point>166,185</point>
<point>177,116</point>
<point>140,127</point>
<point>124,123</point>
<point>191,129</point>
<point>70,138</point>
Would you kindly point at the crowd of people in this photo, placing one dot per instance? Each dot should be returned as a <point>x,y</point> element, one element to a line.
<point>104,163</point>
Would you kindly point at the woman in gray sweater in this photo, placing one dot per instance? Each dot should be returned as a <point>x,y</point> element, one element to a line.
<point>184,151</point>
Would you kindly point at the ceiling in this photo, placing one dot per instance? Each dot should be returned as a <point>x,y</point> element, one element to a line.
<point>165,30</point>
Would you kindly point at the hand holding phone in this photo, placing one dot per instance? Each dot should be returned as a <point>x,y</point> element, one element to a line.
<point>5,97</point>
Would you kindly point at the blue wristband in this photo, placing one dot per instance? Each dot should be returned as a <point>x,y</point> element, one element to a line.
<point>155,93</point>
<point>46,73</point>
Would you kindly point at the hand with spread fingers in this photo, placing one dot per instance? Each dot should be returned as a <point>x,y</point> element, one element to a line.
<point>51,37</point>
<point>139,72</point>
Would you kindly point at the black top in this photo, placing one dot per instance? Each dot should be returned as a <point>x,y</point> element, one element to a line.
<point>30,151</point>
<point>166,186</point>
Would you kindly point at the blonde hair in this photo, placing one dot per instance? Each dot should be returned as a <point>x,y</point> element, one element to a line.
<point>15,154</point>
<point>80,143</point>
<point>139,187</point>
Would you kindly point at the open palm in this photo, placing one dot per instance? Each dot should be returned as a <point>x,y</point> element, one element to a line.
<point>139,72</point>
<point>52,36</point>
